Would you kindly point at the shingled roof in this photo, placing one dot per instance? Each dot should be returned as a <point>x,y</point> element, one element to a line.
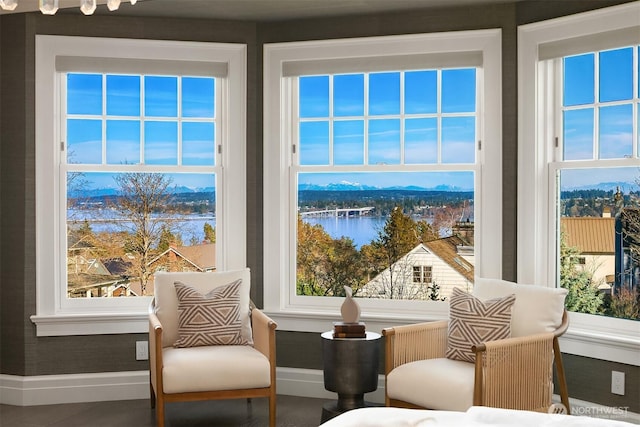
<point>446,249</point>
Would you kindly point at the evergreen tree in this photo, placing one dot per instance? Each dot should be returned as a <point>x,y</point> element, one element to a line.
<point>209,233</point>
<point>583,296</point>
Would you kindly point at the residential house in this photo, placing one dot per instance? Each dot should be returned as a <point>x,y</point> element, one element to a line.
<point>594,237</point>
<point>436,262</point>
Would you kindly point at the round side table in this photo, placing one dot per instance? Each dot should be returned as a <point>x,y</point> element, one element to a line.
<point>350,369</point>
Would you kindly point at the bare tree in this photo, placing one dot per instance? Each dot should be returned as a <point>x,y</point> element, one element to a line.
<point>143,196</point>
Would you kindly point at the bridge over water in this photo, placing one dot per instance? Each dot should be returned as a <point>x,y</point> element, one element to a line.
<point>338,212</point>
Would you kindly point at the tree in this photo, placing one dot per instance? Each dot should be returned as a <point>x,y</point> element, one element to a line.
<point>168,239</point>
<point>583,295</point>
<point>141,195</point>
<point>209,233</point>
<point>389,253</point>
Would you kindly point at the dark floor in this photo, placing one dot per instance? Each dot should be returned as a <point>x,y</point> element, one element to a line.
<point>291,412</point>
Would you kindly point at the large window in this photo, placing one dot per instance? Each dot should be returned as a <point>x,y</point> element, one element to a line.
<point>375,164</point>
<point>579,173</point>
<point>138,152</point>
<point>140,171</point>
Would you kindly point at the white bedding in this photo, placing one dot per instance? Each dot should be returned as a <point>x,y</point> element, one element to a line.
<point>476,416</point>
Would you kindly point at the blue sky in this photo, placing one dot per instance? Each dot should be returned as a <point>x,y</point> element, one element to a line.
<point>383,124</point>
<point>123,107</point>
<point>602,109</point>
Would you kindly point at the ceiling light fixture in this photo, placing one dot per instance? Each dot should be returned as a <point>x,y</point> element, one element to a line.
<point>50,7</point>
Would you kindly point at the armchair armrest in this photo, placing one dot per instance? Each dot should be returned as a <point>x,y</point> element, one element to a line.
<point>264,333</point>
<point>155,348</point>
<point>408,343</point>
<point>530,359</point>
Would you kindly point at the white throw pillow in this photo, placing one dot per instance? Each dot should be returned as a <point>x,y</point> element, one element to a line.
<point>537,308</point>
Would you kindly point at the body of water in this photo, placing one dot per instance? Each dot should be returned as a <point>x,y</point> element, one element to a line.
<point>361,229</point>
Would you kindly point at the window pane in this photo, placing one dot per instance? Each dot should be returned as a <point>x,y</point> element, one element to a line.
<point>459,91</point>
<point>599,240</point>
<point>578,134</point>
<point>421,92</point>
<point>314,96</point>
<point>348,95</point>
<point>198,97</point>
<point>160,143</point>
<point>384,141</point>
<point>458,139</point>
<point>579,77</point>
<point>348,142</point>
<point>123,142</point>
<point>314,143</point>
<point>351,224</point>
<point>84,141</point>
<point>420,141</point>
<point>616,131</point>
<point>384,93</point>
<point>123,95</point>
<point>616,75</point>
<point>198,144</point>
<point>160,96</point>
<point>84,94</point>
<point>110,216</point>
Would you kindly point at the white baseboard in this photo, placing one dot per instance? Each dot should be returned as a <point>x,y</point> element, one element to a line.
<point>112,386</point>
<point>56,389</point>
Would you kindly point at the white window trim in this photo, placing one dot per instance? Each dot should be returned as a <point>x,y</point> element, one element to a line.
<point>315,314</point>
<point>128,315</point>
<point>599,337</point>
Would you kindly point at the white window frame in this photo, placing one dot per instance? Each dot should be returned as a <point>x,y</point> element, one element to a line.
<point>315,314</point>
<point>600,337</point>
<point>89,316</point>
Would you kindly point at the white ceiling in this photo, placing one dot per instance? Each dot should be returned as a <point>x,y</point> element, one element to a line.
<point>256,10</point>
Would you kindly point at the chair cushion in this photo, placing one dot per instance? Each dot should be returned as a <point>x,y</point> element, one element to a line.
<point>166,298</point>
<point>210,319</point>
<point>442,384</point>
<point>214,368</point>
<point>473,321</point>
<point>537,309</point>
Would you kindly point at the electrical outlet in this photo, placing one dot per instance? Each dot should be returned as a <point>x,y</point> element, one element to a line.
<point>617,383</point>
<point>142,350</point>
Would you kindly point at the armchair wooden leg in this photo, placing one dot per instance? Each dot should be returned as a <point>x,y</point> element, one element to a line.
<point>159,411</point>
<point>562,381</point>
<point>272,411</point>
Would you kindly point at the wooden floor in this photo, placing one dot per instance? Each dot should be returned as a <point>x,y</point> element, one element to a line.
<point>291,412</point>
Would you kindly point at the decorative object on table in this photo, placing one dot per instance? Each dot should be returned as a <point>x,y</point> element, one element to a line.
<point>350,309</point>
<point>350,327</point>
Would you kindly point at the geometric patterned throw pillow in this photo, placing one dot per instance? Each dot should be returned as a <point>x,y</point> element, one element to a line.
<point>210,319</point>
<point>473,321</point>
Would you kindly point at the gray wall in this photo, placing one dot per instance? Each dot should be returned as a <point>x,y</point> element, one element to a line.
<point>22,353</point>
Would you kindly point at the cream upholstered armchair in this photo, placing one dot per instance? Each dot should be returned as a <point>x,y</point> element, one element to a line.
<point>207,341</point>
<point>423,371</point>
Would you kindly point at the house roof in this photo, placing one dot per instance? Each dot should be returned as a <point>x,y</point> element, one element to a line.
<point>591,235</point>
<point>446,249</point>
<point>202,256</point>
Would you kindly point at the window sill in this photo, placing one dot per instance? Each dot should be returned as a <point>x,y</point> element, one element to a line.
<point>91,324</point>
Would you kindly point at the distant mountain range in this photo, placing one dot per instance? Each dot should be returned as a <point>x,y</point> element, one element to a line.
<point>355,186</point>
<point>625,187</point>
